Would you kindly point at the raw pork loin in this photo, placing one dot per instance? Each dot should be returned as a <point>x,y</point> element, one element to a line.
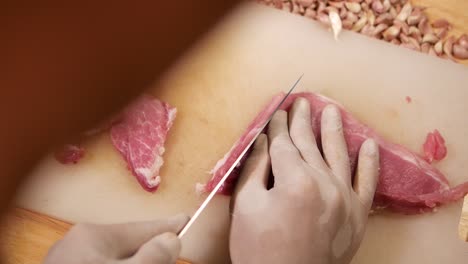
<point>139,136</point>
<point>408,184</point>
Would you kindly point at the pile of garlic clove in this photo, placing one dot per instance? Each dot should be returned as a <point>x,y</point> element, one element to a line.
<point>395,21</point>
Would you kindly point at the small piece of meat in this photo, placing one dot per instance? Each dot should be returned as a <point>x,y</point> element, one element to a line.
<point>139,136</point>
<point>69,154</point>
<point>408,99</point>
<point>434,147</point>
<point>72,153</point>
<point>407,183</point>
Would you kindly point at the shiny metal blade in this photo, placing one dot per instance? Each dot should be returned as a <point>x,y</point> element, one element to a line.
<point>221,182</point>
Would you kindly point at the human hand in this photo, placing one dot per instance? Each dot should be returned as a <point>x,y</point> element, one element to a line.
<point>313,213</point>
<point>152,242</point>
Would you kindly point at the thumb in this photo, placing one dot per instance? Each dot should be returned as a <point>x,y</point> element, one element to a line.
<point>161,249</point>
<point>257,167</point>
<point>125,239</point>
<point>255,173</point>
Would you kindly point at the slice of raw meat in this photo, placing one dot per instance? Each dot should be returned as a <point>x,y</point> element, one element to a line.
<point>139,136</point>
<point>69,153</point>
<point>407,183</point>
<point>434,146</point>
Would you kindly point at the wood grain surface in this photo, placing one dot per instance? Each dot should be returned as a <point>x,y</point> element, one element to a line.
<point>26,235</point>
<point>463,226</point>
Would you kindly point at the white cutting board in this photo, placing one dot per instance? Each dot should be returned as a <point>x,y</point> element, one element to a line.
<point>219,87</point>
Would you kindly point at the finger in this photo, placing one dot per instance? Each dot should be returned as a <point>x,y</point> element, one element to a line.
<point>256,170</point>
<point>162,249</point>
<point>127,238</point>
<point>285,157</point>
<point>367,174</point>
<point>257,166</point>
<point>300,130</point>
<point>334,144</point>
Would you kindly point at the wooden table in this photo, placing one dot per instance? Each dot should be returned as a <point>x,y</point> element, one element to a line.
<point>27,235</point>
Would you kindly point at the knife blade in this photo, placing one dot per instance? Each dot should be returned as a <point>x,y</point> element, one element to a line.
<point>226,175</point>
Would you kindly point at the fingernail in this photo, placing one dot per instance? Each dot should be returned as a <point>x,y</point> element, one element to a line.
<point>331,110</point>
<point>370,147</point>
<point>331,119</point>
<point>302,102</point>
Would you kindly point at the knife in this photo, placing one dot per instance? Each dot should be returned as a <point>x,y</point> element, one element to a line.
<point>221,182</point>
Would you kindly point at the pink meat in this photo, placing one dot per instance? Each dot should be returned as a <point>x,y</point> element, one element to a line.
<point>72,153</point>
<point>223,165</point>
<point>139,136</point>
<point>408,184</point>
<point>69,154</point>
<point>434,146</point>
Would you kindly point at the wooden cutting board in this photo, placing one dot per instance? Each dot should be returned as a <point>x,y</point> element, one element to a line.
<point>27,236</point>
<point>221,84</point>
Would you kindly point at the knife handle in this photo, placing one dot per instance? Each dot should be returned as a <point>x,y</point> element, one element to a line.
<point>26,236</point>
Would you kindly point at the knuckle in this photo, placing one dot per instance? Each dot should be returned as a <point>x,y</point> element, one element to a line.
<point>304,187</point>
<point>279,145</point>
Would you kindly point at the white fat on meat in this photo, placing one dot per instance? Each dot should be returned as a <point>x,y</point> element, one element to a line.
<point>140,134</point>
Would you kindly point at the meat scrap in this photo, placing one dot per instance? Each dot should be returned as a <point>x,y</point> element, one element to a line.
<point>434,146</point>
<point>407,183</point>
<point>139,136</point>
<point>69,153</point>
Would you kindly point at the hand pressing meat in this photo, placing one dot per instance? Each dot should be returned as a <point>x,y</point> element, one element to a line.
<point>313,212</point>
<point>407,184</point>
